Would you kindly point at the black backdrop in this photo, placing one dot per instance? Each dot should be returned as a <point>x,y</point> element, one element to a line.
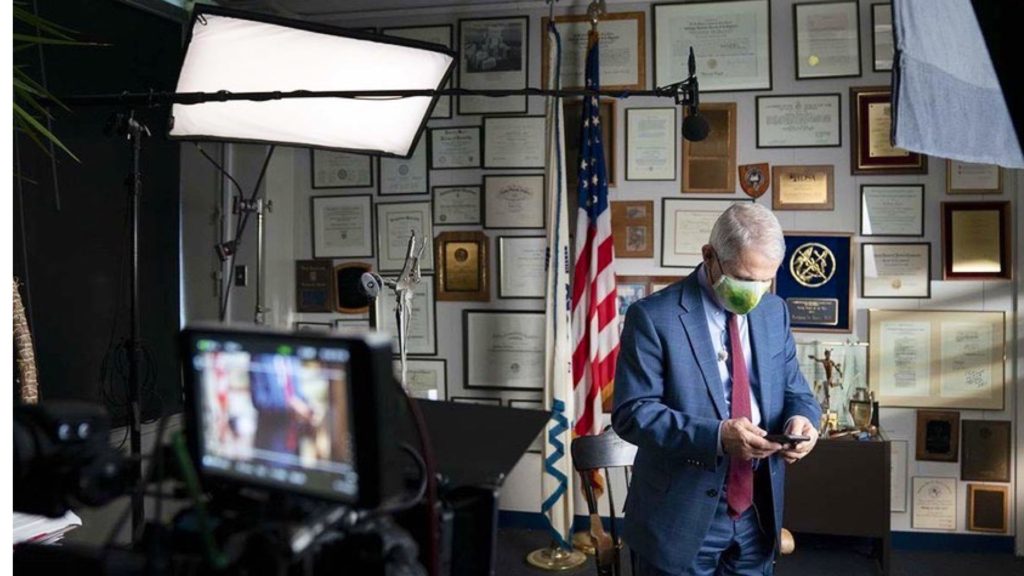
<point>71,240</point>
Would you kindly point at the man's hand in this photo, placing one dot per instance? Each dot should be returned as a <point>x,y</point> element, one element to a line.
<point>740,438</point>
<point>800,426</point>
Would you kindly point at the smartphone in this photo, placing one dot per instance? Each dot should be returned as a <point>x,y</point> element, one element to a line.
<point>786,439</point>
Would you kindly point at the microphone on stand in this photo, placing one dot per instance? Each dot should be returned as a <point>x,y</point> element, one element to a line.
<point>695,126</point>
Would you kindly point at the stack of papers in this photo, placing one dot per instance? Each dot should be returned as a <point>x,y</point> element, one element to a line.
<point>43,530</point>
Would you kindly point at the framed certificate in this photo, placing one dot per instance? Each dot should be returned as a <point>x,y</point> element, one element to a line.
<point>476,400</point>
<point>633,228</point>
<point>651,136</point>
<point>455,147</point>
<point>898,475</point>
<point>937,359</point>
<point>871,149</point>
<point>709,166</point>
<point>896,270</point>
<point>731,42</point>
<point>522,262</point>
<point>314,288</point>
<point>892,210</point>
<point>342,226</point>
<point>686,227</point>
<point>882,45</point>
<point>976,241</point>
<point>462,267</point>
<point>573,113</point>
<point>340,169</point>
<point>934,503</point>
<point>396,222</point>
<point>988,508</point>
<point>504,350</point>
<point>986,451</point>
<point>815,281</point>
<point>803,187</point>
<point>826,39</point>
<point>514,142</point>
<point>799,121</point>
<point>494,54</point>
<point>312,326</point>
<point>514,201</point>
<point>537,446</point>
<point>422,334</point>
<point>426,379</point>
<point>405,176</point>
<point>456,205</point>
<point>938,435</point>
<point>439,34</point>
<point>348,288</point>
<point>622,64</point>
<point>352,325</point>
<point>970,178</point>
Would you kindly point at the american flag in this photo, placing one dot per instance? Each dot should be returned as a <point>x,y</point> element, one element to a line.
<point>594,311</point>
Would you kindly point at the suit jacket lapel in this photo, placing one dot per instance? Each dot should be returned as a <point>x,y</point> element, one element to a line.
<point>759,343</point>
<point>695,323</point>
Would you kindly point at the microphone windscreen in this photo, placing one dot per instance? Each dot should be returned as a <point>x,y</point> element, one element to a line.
<point>695,127</point>
<point>370,285</point>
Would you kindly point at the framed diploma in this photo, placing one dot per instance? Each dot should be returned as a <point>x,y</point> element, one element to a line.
<point>896,270</point>
<point>633,228</point>
<point>938,435</point>
<point>970,178</point>
<point>405,176</point>
<point>537,446</point>
<point>462,267</point>
<point>476,400</point>
<point>340,169</point>
<point>314,289</point>
<point>898,476</point>
<point>803,187</point>
<point>686,227</point>
<point>456,205</point>
<point>871,150</point>
<point>937,358</point>
<point>348,288</point>
<point>352,326</point>
<point>892,210</point>
<point>826,39</point>
<point>934,503</point>
<point>422,332</point>
<point>988,508</point>
<point>439,34</point>
<point>622,64</point>
<point>976,241</point>
<point>986,451</point>
<point>504,350</point>
<point>426,379</point>
<point>514,142</point>
<point>342,226</point>
<point>396,222</point>
<point>312,326</point>
<point>651,137</point>
<point>514,201</point>
<point>799,121</point>
<point>731,42</point>
<point>709,166</point>
<point>573,112</point>
<point>522,262</point>
<point>882,45</point>
<point>494,54</point>
<point>455,147</point>
<point>814,280</point>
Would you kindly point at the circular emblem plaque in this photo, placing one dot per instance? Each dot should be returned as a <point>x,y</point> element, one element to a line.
<point>812,265</point>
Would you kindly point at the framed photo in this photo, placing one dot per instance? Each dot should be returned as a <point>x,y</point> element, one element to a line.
<point>349,296</point>
<point>422,334</point>
<point>628,291</point>
<point>988,508</point>
<point>456,205</point>
<point>709,166</point>
<point>522,264</point>
<point>426,379</point>
<point>803,187</point>
<point>342,226</point>
<point>503,350</point>
<point>514,201</point>
<point>892,210</point>
<point>731,41</point>
<point>455,147</point>
<point>476,400</point>
<point>686,227</point>
<point>891,270</point>
<point>970,178</point>
<point>352,326</point>
<point>438,34</point>
<point>799,121</point>
<point>898,476</point>
<point>623,49</point>
<point>871,150</point>
<point>538,444</point>
<point>815,281</point>
<point>494,54</point>
<point>976,241</point>
<point>574,129</point>
<point>826,39</point>
<point>396,222</point>
<point>405,176</point>
<point>937,358</point>
<point>633,228</point>
<point>462,267</point>
<point>938,435</point>
<point>514,141</point>
<point>882,44</point>
<point>340,169</point>
<point>986,451</point>
<point>934,503</point>
<point>312,326</point>
<point>314,287</point>
<point>651,136</point>
<point>659,283</point>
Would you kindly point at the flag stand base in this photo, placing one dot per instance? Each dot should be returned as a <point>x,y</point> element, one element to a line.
<point>583,542</point>
<point>556,559</point>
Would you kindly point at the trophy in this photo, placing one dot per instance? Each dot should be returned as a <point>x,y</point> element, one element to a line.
<point>862,408</point>
<point>829,417</point>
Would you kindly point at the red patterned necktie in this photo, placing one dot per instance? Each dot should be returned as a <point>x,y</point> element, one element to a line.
<point>739,487</point>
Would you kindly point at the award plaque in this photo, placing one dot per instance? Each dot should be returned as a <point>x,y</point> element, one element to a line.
<point>313,286</point>
<point>349,296</point>
<point>988,508</point>
<point>987,445</point>
<point>814,280</point>
<point>709,166</point>
<point>976,241</point>
<point>462,267</point>
<point>803,188</point>
<point>938,435</point>
<point>871,149</point>
<point>754,179</point>
<point>633,228</point>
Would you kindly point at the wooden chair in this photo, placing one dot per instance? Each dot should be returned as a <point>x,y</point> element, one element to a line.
<point>603,452</point>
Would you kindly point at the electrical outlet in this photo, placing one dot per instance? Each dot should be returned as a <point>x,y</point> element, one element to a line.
<point>241,276</point>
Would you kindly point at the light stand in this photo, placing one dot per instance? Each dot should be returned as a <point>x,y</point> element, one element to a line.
<point>259,207</point>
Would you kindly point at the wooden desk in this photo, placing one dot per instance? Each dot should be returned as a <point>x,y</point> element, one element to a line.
<point>842,489</point>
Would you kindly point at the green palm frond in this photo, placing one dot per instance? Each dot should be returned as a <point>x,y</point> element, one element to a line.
<point>21,115</point>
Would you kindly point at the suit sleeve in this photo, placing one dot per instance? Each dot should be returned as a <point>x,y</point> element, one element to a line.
<point>799,400</point>
<point>640,415</point>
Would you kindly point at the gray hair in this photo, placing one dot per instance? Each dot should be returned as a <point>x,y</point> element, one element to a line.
<point>745,225</point>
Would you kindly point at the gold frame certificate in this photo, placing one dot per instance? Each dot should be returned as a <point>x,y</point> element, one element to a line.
<point>826,39</point>
<point>455,147</point>
<point>894,210</point>
<point>686,226</point>
<point>651,137</point>
<point>454,205</point>
<point>976,241</point>
<point>395,222</point>
<point>503,350</point>
<point>342,226</point>
<point>871,150</point>
<point>462,269</point>
<point>934,503</point>
<point>623,50</point>
<point>896,270</point>
<point>422,334</point>
<point>522,262</point>
<point>514,201</point>
<point>803,187</point>
<point>799,121</point>
<point>514,141</point>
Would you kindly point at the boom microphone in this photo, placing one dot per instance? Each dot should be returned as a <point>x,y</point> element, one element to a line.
<point>695,126</point>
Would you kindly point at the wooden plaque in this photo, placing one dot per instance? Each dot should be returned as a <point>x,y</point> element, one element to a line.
<point>633,228</point>
<point>709,166</point>
<point>461,267</point>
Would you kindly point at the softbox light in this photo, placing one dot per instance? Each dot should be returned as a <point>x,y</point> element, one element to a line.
<point>239,52</point>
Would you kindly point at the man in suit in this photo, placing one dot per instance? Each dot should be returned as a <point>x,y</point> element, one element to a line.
<point>707,367</point>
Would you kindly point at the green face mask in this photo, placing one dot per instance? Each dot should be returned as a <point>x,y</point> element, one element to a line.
<point>739,296</point>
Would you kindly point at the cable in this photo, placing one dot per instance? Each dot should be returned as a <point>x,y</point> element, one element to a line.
<point>409,503</point>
